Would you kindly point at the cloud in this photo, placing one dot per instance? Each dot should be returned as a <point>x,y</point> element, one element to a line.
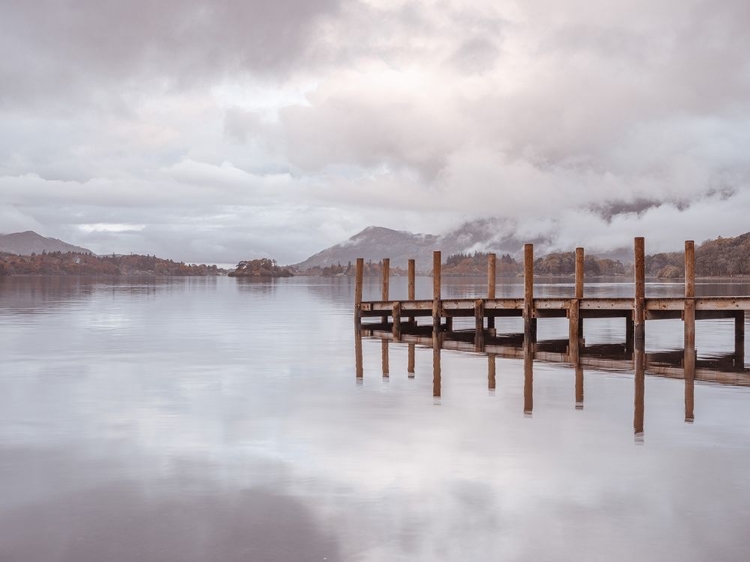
<point>414,115</point>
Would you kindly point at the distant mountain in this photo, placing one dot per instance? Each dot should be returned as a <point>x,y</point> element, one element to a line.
<point>375,243</point>
<point>29,242</point>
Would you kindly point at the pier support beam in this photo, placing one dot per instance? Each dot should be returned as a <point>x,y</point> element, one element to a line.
<point>396,313</point>
<point>580,269</point>
<point>639,315</point>
<point>386,283</point>
<point>689,325</point>
<point>411,277</point>
<point>436,305</point>
<point>491,282</point>
<point>529,322</point>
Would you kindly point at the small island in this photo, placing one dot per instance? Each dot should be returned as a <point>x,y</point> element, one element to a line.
<point>263,268</point>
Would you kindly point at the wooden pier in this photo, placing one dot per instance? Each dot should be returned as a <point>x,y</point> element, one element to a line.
<point>635,311</point>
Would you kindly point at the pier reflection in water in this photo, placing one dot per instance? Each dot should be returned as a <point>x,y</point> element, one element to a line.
<point>683,364</point>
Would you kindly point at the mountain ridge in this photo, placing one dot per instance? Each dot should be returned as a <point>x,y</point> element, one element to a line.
<point>29,242</point>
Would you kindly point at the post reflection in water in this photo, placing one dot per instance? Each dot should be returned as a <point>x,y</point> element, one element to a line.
<point>528,376</point>
<point>639,358</point>
<point>491,365</point>
<point>358,353</point>
<point>579,386</point>
<point>436,367</point>
<point>410,365</point>
<point>384,359</point>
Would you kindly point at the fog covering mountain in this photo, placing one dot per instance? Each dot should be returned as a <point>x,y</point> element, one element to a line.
<point>29,242</point>
<point>375,243</point>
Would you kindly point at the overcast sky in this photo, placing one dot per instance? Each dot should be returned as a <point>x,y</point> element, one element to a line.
<point>224,130</point>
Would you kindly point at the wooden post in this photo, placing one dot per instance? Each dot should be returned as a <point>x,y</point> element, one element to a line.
<point>384,358</point>
<point>639,306</point>
<point>479,325</point>
<point>358,275</point>
<point>739,339</point>
<point>396,313</point>
<point>411,276</point>
<point>529,322</point>
<point>436,265</point>
<point>410,363</point>
<point>491,367</point>
<point>580,269</point>
<point>491,282</point>
<point>386,284</point>
<point>579,272</point>
<point>689,269</point>
<point>688,318</point>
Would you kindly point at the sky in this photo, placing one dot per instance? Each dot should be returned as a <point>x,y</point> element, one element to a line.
<point>216,131</point>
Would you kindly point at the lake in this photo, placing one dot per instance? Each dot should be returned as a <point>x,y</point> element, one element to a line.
<point>195,419</point>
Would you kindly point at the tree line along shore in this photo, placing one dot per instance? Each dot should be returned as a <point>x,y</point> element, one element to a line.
<point>722,257</point>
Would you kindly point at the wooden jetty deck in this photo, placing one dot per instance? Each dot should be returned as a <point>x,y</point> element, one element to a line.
<point>635,311</point>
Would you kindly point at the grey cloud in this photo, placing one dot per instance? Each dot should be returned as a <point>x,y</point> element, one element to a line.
<point>83,47</point>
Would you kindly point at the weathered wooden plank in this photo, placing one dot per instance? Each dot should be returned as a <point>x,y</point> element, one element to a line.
<point>639,269</point>
<point>529,321</point>
<point>579,273</point>
<point>436,287</point>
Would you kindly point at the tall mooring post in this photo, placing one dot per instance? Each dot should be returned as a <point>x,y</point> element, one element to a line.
<point>491,282</point>
<point>384,294</point>
<point>688,318</point>
<point>575,322</point>
<point>639,308</point>
<point>436,265</point>
<point>529,322</point>
<point>358,277</point>
<point>411,279</point>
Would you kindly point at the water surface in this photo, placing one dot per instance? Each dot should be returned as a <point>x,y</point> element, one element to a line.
<point>216,419</point>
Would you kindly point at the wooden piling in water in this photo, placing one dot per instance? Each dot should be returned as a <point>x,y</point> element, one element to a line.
<point>491,283</point>
<point>410,361</point>
<point>411,280</point>
<point>396,314</point>
<point>358,276</point>
<point>579,272</point>
<point>688,318</point>
<point>385,292</point>
<point>529,322</point>
<point>580,269</point>
<point>639,308</point>
<point>436,265</point>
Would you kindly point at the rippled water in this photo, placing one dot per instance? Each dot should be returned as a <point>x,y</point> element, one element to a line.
<point>213,419</point>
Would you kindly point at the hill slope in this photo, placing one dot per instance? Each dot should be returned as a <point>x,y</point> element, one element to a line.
<point>29,242</point>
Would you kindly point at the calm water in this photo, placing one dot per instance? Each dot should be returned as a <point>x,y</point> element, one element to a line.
<point>211,419</point>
